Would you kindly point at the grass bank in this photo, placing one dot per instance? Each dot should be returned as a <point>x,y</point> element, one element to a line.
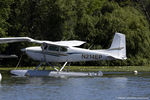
<point>93,68</point>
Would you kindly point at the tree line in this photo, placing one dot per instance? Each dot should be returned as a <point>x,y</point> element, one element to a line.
<point>93,21</point>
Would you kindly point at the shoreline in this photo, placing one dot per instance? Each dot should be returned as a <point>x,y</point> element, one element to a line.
<point>89,68</point>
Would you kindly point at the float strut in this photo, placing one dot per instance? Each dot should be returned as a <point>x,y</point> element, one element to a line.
<point>38,66</point>
<point>63,66</point>
<point>53,66</point>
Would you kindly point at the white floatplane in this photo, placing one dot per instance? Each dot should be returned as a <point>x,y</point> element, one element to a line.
<point>66,51</point>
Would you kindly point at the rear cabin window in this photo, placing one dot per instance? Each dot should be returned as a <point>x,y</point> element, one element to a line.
<point>63,49</point>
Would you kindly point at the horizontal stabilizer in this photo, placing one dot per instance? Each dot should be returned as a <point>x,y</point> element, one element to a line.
<point>8,56</point>
<point>116,48</point>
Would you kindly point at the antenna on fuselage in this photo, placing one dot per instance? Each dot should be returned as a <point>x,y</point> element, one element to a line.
<point>91,46</point>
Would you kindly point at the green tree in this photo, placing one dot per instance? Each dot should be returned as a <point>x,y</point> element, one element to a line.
<point>93,21</point>
<point>131,22</point>
<point>4,15</point>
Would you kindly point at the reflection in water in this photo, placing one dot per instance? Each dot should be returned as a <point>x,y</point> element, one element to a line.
<point>120,82</point>
<point>98,88</point>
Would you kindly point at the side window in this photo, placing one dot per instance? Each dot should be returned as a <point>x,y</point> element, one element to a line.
<point>56,48</point>
<point>63,49</point>
<point>53,48</point>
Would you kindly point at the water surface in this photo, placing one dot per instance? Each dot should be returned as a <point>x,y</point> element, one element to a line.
<point>108,87</point>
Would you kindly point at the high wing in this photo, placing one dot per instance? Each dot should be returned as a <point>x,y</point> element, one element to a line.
<point>70,43</point>
<point>58,43</point>
<point>15,39</point>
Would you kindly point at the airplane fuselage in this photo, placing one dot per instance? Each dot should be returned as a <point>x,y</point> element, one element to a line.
<point>66,51</point>
<point>72,54</point>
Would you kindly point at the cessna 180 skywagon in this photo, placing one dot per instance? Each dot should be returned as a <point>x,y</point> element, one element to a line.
<point>66,51</point>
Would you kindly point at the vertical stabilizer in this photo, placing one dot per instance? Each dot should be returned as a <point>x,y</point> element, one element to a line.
<point>118,46</point>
